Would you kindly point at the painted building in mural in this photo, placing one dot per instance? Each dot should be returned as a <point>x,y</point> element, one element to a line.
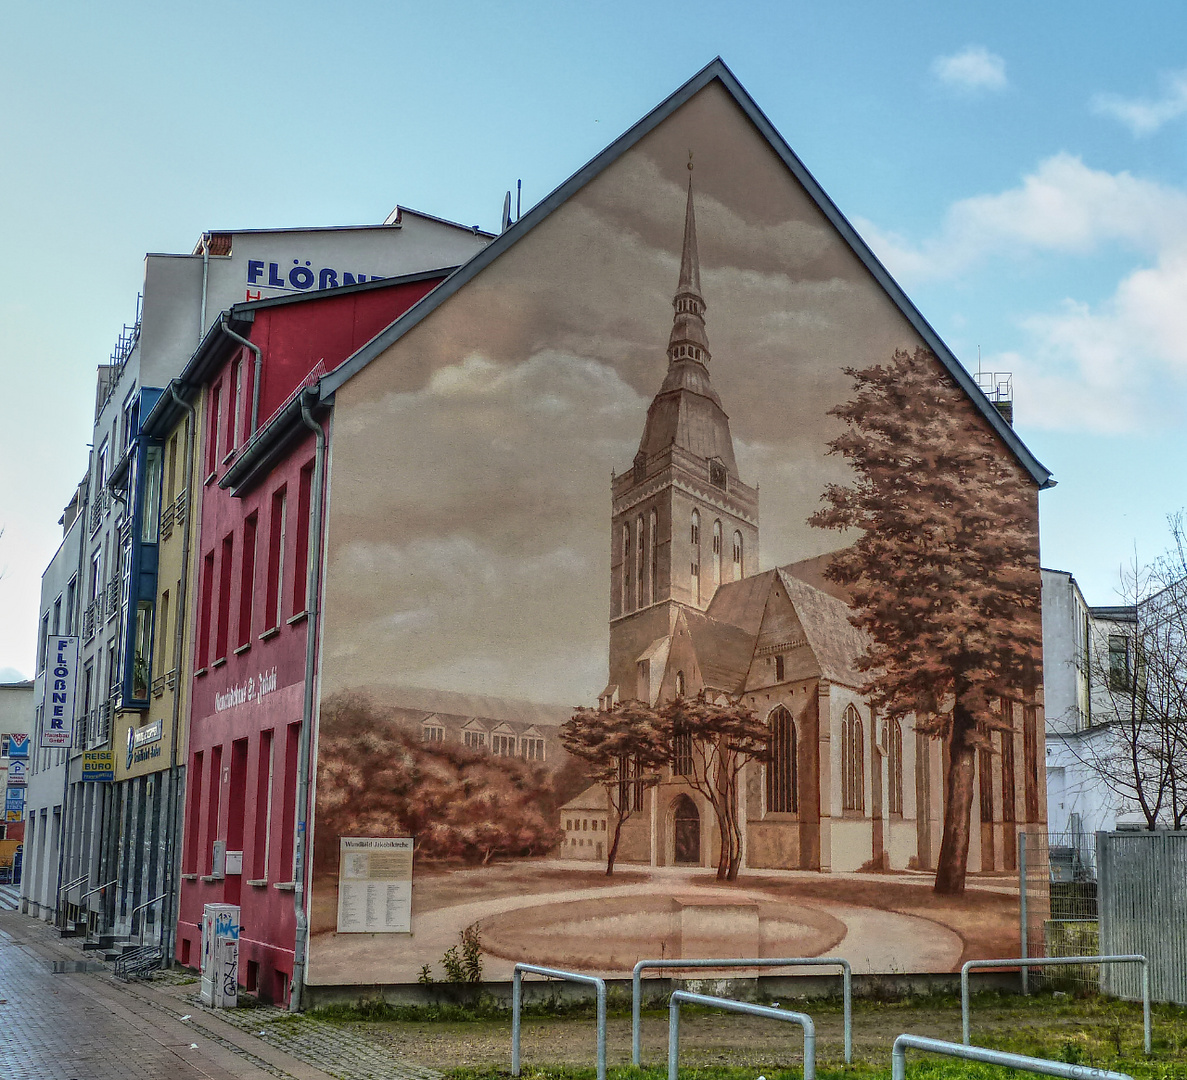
<point>470,603</point>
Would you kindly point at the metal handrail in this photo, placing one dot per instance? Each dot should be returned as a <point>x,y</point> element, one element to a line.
<point>570,976</point>
<point>141,907</point>
<point>683,996</point>
<point>739,962</point>
<point>1058,961</point>
<point>66,888</point>
<point>898,1060</point>
<point>97,888</point>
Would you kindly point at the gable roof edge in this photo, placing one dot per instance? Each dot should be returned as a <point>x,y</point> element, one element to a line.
<point>715,69</point>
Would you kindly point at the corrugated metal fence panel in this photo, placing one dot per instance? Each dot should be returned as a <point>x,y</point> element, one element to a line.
<point>1143,909</point>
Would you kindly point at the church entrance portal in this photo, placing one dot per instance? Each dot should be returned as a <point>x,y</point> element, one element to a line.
<point>688,832</point>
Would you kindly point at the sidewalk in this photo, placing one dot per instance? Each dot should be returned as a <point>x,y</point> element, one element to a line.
<point>155,1029</point>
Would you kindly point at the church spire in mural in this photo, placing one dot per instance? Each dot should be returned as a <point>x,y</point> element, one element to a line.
<point>689,340</point>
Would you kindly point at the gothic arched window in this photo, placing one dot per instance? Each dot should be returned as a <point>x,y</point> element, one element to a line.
<point>853,761</point>
<point>894,757</point>
<point>640,565</point>
<point>653,558</point>
<point>626,568</point>
<point>737,555</point>
<point>782,768</point>
<point>694,532</point>
<point>717,553</point>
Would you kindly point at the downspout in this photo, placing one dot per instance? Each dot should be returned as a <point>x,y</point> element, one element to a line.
<point>255,378</point>
<point>312,605</point>
<point>205,276</point>
<point>169,922</point>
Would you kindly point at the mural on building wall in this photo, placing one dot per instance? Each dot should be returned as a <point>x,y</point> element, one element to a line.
<point>617,717</point>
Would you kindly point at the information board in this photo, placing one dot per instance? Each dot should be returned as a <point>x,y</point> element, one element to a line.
<point>57,725</point>
<point>375,885</point>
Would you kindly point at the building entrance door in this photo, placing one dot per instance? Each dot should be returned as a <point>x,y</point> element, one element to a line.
<point>688,832</point>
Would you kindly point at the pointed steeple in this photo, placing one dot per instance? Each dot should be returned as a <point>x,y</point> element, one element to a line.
<point>688,340</point>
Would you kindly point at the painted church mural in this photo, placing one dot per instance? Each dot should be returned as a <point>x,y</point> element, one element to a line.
<point>644,589</point>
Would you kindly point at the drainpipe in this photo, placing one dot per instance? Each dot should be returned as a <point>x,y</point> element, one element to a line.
<point>312,605</point>
<point>255,378</point>
<point>205,275</point>
<point>169,921</point>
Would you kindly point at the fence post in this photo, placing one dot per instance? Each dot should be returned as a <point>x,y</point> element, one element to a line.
<point>1022,913</point>
<point>516,990</point>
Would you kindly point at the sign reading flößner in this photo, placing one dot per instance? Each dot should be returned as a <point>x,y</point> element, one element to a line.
<point>57,721</point>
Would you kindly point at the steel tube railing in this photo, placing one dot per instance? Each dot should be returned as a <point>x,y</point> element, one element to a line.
<point>599,986</point>
<point>59,914</point>
<point>142,907</point>
<point>898,1060</point>
<point>97,888</point>
<point>702,963</point>
<point>1058,961</point>
<point>684,997</point>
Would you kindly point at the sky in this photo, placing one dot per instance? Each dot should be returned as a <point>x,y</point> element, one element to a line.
<point>1020,168</point>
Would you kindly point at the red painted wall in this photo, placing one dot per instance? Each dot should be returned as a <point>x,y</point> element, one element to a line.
<point>250,642</point>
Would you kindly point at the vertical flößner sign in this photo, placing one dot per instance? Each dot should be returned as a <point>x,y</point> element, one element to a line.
<point>57,715</point>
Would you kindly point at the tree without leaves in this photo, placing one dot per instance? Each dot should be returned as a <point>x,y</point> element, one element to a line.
<point>945,576</point>
<point>1137,743</point>
<point>710,742</point>
<point>623,747</point>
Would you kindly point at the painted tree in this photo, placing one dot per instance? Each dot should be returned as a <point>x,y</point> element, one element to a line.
<point>377,777</point>
<point>624,748</point>
<point>709,743</point>
<point>944,576</point>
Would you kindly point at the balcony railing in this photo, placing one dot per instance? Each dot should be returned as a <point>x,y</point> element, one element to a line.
<point>158,686</point>
<point>171,678</point>
<point>167,516</point>
<point>181,503</point>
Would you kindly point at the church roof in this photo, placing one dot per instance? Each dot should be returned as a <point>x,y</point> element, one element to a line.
<point>724,652</point>
<point>715,70</point>
<point>835,641</point>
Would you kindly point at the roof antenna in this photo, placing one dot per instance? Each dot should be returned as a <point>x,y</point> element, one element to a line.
<point>518,197</point>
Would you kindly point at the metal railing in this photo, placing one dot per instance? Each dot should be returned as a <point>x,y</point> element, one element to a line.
<point>58,914</point>
<point>569,976</point>
<point>684,997</point>
<point>898,1060</point>
<point>97,888</point>
<point>1057,961</point>
<point>795,961</point>
<point>142,907</point>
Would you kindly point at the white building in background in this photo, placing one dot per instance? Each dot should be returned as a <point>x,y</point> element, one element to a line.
<point>1083,647</point>
<point>92,587</point>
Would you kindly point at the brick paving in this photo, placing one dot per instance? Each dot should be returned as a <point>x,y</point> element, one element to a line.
<point>84,1025</point>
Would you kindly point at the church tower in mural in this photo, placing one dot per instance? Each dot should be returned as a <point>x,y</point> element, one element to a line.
<point>683,522</point>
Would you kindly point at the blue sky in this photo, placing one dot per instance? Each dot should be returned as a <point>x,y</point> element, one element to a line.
<point>1021,168</point>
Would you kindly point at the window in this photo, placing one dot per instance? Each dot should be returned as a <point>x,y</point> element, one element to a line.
<point>162,645</point>
<point>779,669</point>
<point>681,752</point>
<point>641,561</point>
<point>171,472</point>
<point>895,765</point>
<point>717,553</point>
<point>142,655</point>
<point>694,532</point>
<point>43,646</point>
<point>150,506</point>
<point>853,761</point>
<point>247,579</point>
<point>630,784</point>
<point>216,397</point>
<point>56,622</point>
<point>474,739</point>
<point>1119,671</point>
<point>717,474</point>
<point>214,792</point>
<point>275,558</point>
<point>288,816</point>
<point>653,558</point>
<point>503,745</point>
<point>301,552</point>
<point>626,568</point>
<point>101,472</point>
<point>223,628</point>
<point>782,764</point>
<point>71,600</point>
<point>236,406</point>
<point>531,749</point>
<point>737,555</point>
<point>432,733</point>
<point>204,609</point>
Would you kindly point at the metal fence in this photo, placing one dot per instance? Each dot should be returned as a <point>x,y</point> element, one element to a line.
<point>1143,908</point>
<point>1042,1066</point>
<point>1034,894</point>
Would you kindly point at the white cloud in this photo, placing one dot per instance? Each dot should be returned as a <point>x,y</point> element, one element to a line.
<point>1142,116</point>
<point>1115,366</point>
<point>1063,207</point>
<point>971,70</point>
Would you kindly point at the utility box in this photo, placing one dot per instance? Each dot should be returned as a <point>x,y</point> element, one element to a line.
<point>220,955</point>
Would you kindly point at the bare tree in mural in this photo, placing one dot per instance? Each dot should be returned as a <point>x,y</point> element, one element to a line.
<point>709,744</point>
<point>624,747</point>
<point>945,575</point>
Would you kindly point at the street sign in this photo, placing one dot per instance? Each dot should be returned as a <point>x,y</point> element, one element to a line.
<point>17,774</point>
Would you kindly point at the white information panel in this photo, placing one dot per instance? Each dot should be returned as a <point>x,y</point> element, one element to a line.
<point>375,885</point>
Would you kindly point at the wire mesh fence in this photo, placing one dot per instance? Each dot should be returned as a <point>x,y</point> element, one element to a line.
<point>1069,924</point>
